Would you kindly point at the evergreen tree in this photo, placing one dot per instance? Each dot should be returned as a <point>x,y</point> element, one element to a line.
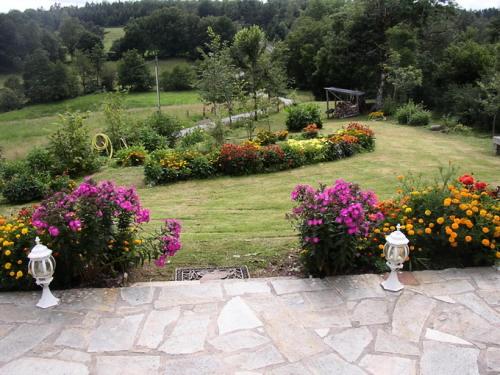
<point>133,73</point>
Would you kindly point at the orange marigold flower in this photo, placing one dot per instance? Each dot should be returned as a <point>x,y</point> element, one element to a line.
<point>486,242</point>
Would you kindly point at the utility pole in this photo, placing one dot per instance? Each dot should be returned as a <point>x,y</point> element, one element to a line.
<point>157,83</point>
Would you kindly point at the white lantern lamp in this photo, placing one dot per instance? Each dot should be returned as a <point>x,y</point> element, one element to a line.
<point>42,266</point>
<point>395,251</point>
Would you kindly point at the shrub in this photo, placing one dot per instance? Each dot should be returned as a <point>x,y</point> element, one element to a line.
<point>265,137</point>
<point>165,125</point>
<point>390,106</point>
<point>312,149</point>
<point>23,188</point>
<point>150,139</point>
<point>132,156</point>
<point>40,160</point>
<point>18,236</point>
<point>180,78</point>
<point>365,136</point>
<point>310,131</point>
<point>239,159</point>
<point>92,231</point>
<point>330,221</point>
<point>193,137</point>
<point>70,146</point>
<point>299,116</point>
<point>9,100</point>
<point>273,158</point>
<point>412,114</point>
<point>294,157</point>
<point>452,223</point>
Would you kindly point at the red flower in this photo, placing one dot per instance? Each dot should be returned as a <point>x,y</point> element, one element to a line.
<point>466,179</point>
<point>480,185</point>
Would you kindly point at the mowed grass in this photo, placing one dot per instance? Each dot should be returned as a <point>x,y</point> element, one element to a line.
<point>241,220</point>
<point>110,35</point>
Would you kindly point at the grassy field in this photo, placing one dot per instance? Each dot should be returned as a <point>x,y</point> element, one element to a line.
<point>110,35</point>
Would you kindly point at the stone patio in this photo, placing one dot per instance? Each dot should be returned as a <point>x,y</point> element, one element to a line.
<point>445,322</point>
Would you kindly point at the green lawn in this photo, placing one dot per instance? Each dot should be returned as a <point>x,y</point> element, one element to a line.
<point>110,35</point>
<point>241,220</point>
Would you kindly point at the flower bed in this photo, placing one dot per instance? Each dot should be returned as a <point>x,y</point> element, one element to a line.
<point>166,166</point>
<point>342,229</point>
<point>94,230</point>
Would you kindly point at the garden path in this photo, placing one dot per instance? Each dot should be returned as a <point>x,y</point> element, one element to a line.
<point>443,322</point>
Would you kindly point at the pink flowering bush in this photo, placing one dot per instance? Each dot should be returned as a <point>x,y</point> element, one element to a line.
<point>93,231</point>
<point>332,222</point>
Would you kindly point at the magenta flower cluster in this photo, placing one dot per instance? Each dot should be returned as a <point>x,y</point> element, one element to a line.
<point>169,240</point>
<point>68,211</point>
<point>343,204</point>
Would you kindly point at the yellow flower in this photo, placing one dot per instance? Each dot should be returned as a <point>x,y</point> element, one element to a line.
<point>463,206</point>
<point>483,212</point>
<point>7,252</point>
<point>12,273</point>
<point>19,274</point>
<point>420,221</point>
<point>447,202</point>
<point>7,266</point>
<point>428,212</point>
<point>381,247</point>
<point>486,242</point>
<point>469,213</point>
<point>468,238</point>
<point>411,232</point>
<point>456,201</point>
<point>408,209</point>
<point>485,229</point>
<point>497,254</point>
<point>24,231</point>
<point>137,242</point>
<point>440,220</point>
<point>431,225</point>
<point>376,230</point>
<point>475,209</point>
<point>19,261</point>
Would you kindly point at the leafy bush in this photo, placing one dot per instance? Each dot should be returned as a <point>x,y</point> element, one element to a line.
<point>165,125</point>
<point>150,139</point>
<point>193,137</point>
<point>413,114</point>
<point>23,188</point>
<point>132,156</point>
<point>452,223</point>
<point>9,100</point>
<point>281,135</point>
<point>180,78</point>
<point>390,106</point>
<point>273,158</point>
<point>18,236</point>
<point>70,146</point>
<point>265,137</point>
<point>40,160</point>
<point>330,221</point>
<point>299,116</point>
<point>92,231</point>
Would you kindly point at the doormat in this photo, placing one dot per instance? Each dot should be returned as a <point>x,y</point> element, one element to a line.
<point>215,273</point>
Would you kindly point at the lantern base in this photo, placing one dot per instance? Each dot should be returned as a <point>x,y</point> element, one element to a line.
<point>48,299</point>
<point>392,283</point>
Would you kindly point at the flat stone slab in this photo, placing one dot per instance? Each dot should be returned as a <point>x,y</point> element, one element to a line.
<point>127,365</point>
<point>236,315</point>
<point>387,365</point>
<point>446,359</point>
<point>22,339</point>
<point>32,365</point>
<point>115,334</point>
<point>188,335</point>
<point>350,343</point>
<point>448,323</point>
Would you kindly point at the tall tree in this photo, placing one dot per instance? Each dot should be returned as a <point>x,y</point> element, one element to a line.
<point>133,73</point>
<point>248,49</point>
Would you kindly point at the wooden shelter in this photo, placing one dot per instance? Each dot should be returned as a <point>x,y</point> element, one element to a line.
<point>346,103</point>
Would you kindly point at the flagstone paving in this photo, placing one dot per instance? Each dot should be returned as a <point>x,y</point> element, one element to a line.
<point>443,322</point>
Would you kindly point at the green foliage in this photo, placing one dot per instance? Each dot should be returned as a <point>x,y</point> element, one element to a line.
<point>412,114</point>
<point>9,100</point>
<point>150,139</point>
<point>131,156</point>
<point>390,106</point>
<point>133,73</point>
<point>181,77</point>
<point>116,118</point>
<point>23,188</point>
<point>165,125</point>
<point>192,138</point>
<point>265,137</point>
<point>70,146</point>
<point>108,77</point>
<point>299,116</point>
<point>40,161</point>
